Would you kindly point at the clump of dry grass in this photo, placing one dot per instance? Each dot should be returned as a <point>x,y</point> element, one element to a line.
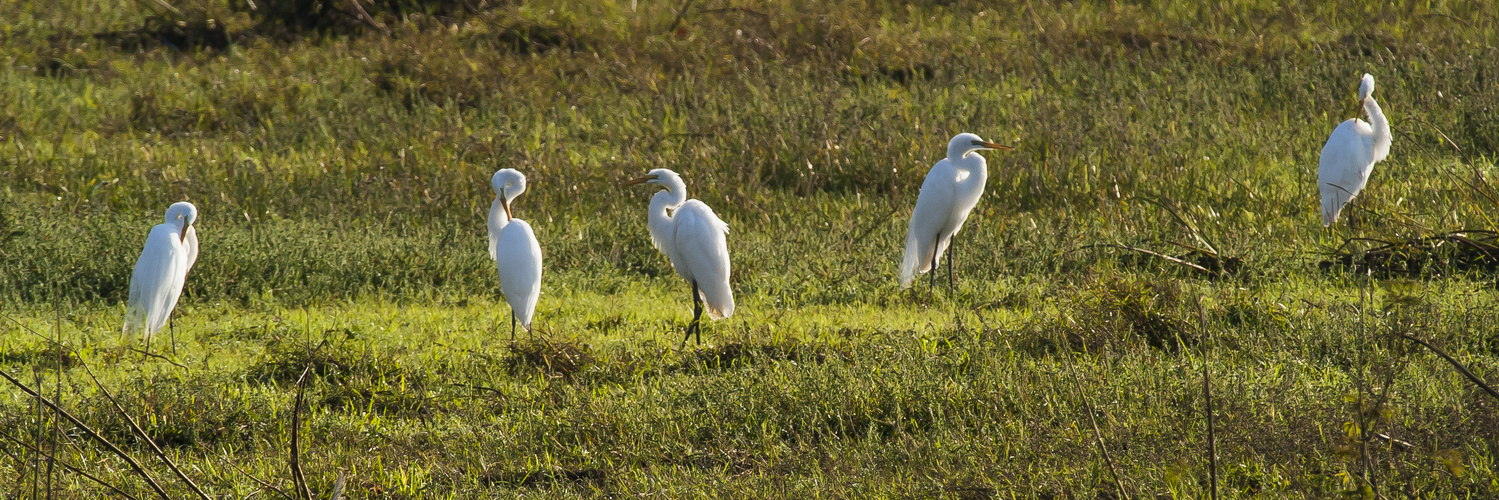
<point>1454,252</point>
<point>564,358</point>
<point>1117,311</point>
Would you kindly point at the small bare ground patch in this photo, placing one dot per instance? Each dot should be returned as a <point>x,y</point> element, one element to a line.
<point>1454,252</point>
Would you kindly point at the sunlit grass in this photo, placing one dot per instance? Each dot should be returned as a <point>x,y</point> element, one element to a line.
<point>341,178</point>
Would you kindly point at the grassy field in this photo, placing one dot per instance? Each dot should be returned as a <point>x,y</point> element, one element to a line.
<point>1158,218</point>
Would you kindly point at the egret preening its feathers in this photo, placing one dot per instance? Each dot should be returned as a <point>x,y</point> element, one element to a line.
<point>1350,154</point>
<point>156,284</point>
<point>514,249</point>
<point>695,240</point>
<point>951,190</point>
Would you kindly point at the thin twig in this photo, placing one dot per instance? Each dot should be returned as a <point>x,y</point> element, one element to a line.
<point>296,426</point>
<point>1097,435</point>
<point>263,484</point>
<point>163,358</point>
<point>1158,255</point>
<point>1454,363</point>
<point>1207,394</point>
<point>65,465</point>
<point>137,428</point>
<point>368,19</point>
<point>675,22</point>
<point>338,486</point>
<point>1404,446</point>
<point>91,433</point>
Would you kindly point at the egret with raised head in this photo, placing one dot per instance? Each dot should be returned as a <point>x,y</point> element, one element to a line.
<point>951,190</point>
<point>696,242</point>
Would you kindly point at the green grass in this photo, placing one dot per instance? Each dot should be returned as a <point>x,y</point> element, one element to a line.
<point>341,177</point>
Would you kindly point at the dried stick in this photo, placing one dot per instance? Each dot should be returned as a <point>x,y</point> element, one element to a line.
<point>160,357</point>
<point>1207,394</point>
<point>678,21</point>
<point>139,432</point>
<point>1162,256</point>
<point>65,465</point>
<point>296,453</point>
<point>1097,436</point>
<point>1455,364</point>
<point>91,433</point>
<point>263,484</point>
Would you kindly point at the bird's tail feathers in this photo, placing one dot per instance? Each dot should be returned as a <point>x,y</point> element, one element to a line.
<point>136,322</point>
<point>1334,198</point>
<point>718,300</point>
<point>917,260</point>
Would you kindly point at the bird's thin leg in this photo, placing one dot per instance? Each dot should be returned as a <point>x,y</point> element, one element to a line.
<point>932,284</point>
<point>697,314</point>
<point>512,326</point>
<point>172,332</point>
<point>951,253</point>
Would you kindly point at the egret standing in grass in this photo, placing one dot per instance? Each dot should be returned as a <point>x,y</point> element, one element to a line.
<point>1350,154</point>
<point>514,249</point>
<point>695,240</point>
<point>951,190</point>
<point>155,285</point>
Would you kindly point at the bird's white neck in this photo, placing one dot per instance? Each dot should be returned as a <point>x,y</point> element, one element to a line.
<point>662,204</point>
<point>1381,128</point>
<point>971,167</point>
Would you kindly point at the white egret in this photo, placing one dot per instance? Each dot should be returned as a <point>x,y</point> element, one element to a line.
<point>514,249</point>
<point>951,190</point>
<point>695,240</point>
<point>1350,154</point>
<point>156,284</point>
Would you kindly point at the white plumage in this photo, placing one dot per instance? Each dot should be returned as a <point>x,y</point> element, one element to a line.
<point>514,248</point>
<point>696,242</point>
<point>156,284</point>
<point>1350,154</point>
<point>952,188</point>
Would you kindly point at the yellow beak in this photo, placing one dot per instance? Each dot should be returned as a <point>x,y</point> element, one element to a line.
<point>639,180</point>
<point>991,145</point>
<point>506,204</point>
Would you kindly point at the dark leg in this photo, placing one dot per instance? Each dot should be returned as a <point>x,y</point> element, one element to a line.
<point>172,331</point>
<point>933,283</point>
<point>697,313</point>
<point>512,326</point>
<point>951,252</point>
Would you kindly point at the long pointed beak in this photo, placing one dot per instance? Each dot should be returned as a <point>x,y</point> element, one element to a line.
<point>1356,108</point>
<point>638,180</point>
<point>1000,147</point>
<point>182,234</point>
<point>506,204</point>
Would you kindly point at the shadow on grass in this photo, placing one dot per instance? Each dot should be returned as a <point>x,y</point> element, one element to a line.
<point>546,478</point>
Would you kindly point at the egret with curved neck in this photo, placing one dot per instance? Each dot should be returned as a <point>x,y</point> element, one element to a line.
<point>1350,154</point>
<point>952,188</point>
<point>513,246</point>
<point>156,283</point>
<point>696,242</point>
